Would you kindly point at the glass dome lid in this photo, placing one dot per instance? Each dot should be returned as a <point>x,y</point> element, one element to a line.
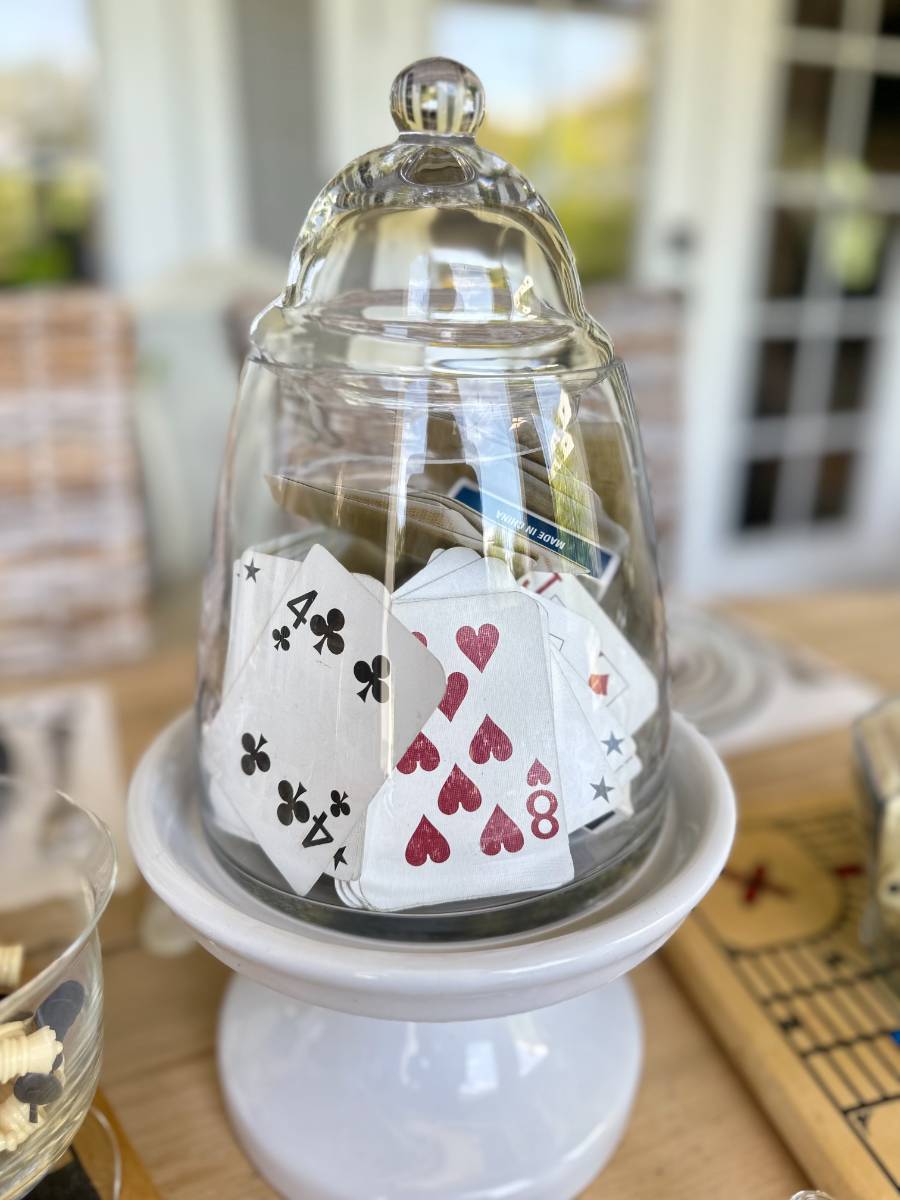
<point>432,695</point>
<point>432,253</point>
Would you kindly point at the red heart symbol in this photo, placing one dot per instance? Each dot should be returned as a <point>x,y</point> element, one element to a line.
<point>454,694</point>
<point>501,833</point>
<point>599,684</point>
<point>478,647</point>
<point>458,789</point>
<point>489,740</point>
<point>421,752</point>
<point>422,638</point>
<point>537,774</point>
<point>426,842</point>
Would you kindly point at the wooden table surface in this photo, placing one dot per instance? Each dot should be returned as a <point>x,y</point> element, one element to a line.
<point>696,1133</point>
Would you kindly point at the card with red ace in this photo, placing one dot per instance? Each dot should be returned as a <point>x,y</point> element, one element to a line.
<point>474,806</point>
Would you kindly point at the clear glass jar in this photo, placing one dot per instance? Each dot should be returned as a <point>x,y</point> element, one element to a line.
<point>410,409</point>
<point>56,877</point>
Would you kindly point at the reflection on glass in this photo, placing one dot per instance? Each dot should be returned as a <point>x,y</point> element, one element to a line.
<point>805,116</point>
<point>849,379</point>
<point>789,253</point>
<point>773,383</point>
<point>882,151</point>
<point>833,487</point>
<point>580,136</point>
<point>760,487</point>
<point>819,14</point>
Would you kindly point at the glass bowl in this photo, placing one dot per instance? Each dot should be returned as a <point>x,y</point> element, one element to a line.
<point>432,696</point>
<point>57,871</point>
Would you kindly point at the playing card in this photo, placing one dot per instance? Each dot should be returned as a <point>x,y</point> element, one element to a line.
<point>592,747</point>
<point>473,808</point>
<point>260,580</point>
<point>458,572</point>
<point>606,767</point>
<point>441,563</point>
<point>327,702</point>
<point>429,518</point>
<point>638,699</point>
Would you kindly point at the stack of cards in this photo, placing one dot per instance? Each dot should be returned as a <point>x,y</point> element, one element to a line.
<point>436,746</point>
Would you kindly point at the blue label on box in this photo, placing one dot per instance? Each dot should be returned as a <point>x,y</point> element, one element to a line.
<point>494,510</point>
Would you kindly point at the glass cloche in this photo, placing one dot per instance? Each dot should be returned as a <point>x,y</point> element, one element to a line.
<point>432,696</point>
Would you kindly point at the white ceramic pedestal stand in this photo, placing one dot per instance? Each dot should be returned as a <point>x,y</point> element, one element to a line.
<point>355,1069</point>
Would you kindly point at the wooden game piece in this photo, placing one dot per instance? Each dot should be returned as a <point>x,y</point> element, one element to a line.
<point>21,1053</point>
<point>13,1028</point>
<point>11,960</point>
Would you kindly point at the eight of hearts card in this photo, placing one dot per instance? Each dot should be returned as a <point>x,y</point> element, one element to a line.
<point>328,698</point>
<point>473,808</point>
<point>597,757</point>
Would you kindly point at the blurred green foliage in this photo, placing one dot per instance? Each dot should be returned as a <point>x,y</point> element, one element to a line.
<point>586,162</point>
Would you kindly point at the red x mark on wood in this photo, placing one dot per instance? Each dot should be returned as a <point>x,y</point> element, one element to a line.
<point>756,881</point>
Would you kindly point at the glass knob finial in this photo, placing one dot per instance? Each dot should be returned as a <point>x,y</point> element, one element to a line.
<point>437,95</point>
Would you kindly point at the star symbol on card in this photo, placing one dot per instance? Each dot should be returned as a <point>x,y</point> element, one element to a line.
<point>602,790</point>
<point>613,744</point>
<point>252,570</point>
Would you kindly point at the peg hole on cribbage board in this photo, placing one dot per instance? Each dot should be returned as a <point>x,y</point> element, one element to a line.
<point>773,959</point>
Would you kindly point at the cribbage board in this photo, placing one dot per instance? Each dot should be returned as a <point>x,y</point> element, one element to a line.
<point>773,958</point>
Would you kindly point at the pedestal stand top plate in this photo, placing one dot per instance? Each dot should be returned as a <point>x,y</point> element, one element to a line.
<point>462,980</point>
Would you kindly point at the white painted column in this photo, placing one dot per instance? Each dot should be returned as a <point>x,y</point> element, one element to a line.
<point>170,116</point>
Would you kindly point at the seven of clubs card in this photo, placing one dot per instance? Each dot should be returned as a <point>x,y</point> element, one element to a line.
<point>328,699</point>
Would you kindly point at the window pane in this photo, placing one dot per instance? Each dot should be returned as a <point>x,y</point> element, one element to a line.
<point>49,170</point>
<point>833,489</point>
<point>773,381</point>
<point>854,249</point>
<point>761,483</point>
<point>890,18</point>
<point>848,392</point>
<point>883,137</point>
<point>819,14</point>
<point>580,137</point>
<point>805,116</point>
<point>789,254</point>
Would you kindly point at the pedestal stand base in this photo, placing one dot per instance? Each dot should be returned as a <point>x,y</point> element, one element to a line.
<point>337,1107</point>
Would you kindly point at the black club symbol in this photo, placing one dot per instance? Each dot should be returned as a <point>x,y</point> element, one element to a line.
<point>255,756</point>
<point>291,806</point>
<point>282,638</point>
<point>374,676</point>
<point>339,805</point>
<point>326,630</point>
